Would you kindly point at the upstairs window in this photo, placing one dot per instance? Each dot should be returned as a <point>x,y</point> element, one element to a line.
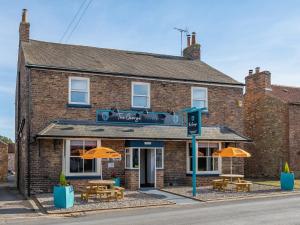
<point>79,90</point>
<point>199,97</point>
<point>140,95</point>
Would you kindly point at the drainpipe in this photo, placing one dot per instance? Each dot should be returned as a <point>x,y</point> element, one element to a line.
<point>28,135</point>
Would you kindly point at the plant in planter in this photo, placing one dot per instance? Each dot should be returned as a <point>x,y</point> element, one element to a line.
<point>63,193</point>
<point>116,179</point>
<point>287,179</point>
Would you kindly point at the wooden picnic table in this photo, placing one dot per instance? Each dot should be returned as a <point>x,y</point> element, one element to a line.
<point>232,176</point>
<point>109,183</point>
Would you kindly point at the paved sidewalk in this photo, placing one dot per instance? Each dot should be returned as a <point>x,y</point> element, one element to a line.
<point>12,204</point>
<point>180,200</point>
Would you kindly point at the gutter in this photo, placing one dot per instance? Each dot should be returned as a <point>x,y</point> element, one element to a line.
<point>127,75</point>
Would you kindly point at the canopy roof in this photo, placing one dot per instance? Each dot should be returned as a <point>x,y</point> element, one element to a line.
<point>90,129</point>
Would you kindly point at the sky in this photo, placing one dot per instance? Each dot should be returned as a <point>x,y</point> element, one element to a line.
<point>235,36</point>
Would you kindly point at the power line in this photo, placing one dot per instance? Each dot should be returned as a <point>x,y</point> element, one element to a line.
<point>78,21</point>
<point>70,24</point>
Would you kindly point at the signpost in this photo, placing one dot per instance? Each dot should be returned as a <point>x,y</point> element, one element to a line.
<point>194,129</point>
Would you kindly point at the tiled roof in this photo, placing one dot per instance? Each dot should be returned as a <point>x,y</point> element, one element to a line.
<point>82,129</point>
<point>102,60</point>
<point>286,94</point>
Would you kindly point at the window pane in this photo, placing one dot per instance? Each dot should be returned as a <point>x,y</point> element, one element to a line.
<point>140,101</point>
<point>76,165</point>
<point>90,165</point>
<point>90,145</point>
<point>198,103</point>
<point>127,160</point>
<point>202,152</point>
<point>76,148</point>
<point>140,89</point>
<point>79,85</point>
<point>199,94</point>
<point>81,97</point>
<point>159,158</point>
<point>191,163</point>
<point>135,158</point>
<point>202,164</point>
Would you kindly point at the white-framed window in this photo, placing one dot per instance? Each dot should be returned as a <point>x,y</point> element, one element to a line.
<point>132,158</point>
<point>140,95</point>
<point>74,164</point>
<point>206,163</point>
<point>159,158</point>
<point>79,90</point>
<point>199,97</point>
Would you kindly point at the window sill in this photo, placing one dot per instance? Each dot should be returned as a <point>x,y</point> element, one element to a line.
<point>78,106</point>
<point>83,177</point>
<point>212,174</point>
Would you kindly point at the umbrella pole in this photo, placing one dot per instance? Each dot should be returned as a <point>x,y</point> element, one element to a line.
<point>231,167</point>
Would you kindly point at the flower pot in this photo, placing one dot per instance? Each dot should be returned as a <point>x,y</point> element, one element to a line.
<point>117,181</point>
<point>287,181</point>
<point>63,196</point>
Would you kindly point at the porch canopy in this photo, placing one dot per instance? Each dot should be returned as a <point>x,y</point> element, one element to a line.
<point>90,129</point>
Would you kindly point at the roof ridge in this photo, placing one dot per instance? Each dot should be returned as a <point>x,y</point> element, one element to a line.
<point>285,86</point>
<point>114,49</point>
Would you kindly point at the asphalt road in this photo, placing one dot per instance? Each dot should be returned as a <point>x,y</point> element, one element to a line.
<point>276,211</point>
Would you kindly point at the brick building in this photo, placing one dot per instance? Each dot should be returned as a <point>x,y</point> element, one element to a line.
<point>3,161</point>
<point>272,120</point>
<point>72,97</point>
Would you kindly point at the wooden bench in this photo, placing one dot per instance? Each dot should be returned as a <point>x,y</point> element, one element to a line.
<point>243,185</point>
<point>102,192</point>
<point>220,184</point>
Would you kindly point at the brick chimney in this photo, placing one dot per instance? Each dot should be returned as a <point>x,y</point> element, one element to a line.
<point>258,81</point>
<point>192,51</point>
<point>24,27</point>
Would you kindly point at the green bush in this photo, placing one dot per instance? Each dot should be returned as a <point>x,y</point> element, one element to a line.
<point>62,180</point>
<point>286,168</point>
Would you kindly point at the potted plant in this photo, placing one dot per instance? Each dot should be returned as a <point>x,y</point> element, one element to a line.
<point>63,193</point>
<point>287,179</point>
<point>116,179</point>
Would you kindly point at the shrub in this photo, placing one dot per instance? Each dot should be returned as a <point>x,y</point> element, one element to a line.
<point>62,180</point>
<point>286,168</point>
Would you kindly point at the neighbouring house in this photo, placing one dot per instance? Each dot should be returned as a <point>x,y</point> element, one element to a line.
<point>3,161</point>
<point>71,98</point>
<point>11,157</point>
<point>272,120</point>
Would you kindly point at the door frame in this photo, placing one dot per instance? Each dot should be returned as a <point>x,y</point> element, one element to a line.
<point>153,149</point>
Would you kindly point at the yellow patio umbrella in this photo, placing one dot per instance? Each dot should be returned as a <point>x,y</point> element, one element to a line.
<point>231,152</point>
<point>101,153</point>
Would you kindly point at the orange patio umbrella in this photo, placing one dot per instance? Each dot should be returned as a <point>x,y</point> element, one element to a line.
<point>101,153</point>
<point>231,152</point>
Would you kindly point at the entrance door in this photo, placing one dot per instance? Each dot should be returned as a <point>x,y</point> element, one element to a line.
<point>147,167</point>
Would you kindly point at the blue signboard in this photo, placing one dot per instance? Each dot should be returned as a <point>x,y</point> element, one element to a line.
<point>194,123</point>
<point>138,117</point>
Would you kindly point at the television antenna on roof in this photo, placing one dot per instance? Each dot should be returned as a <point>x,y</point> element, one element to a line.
<point>181,31</point>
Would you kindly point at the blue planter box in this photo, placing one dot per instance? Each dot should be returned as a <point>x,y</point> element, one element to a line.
<point>63,196</point>
<point>287,181</point>
<point>117,181</point>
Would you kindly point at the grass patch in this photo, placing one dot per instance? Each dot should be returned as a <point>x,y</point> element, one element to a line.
<point>276,183</point>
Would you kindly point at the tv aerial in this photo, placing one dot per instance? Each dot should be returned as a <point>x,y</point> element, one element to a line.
<point>181,32</point>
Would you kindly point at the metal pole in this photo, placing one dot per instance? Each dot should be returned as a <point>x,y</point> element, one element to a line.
<point>194,164</point>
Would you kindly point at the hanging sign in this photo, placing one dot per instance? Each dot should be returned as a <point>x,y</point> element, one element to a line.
<point>193,123</point>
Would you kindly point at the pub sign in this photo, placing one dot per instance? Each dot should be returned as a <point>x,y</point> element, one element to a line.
<point>194,123</point>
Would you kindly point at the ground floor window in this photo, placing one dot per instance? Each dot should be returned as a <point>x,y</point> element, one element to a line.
<point>74,165</point>
<point>206,163</point>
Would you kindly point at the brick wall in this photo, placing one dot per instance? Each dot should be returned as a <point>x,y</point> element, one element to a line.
<point>3,161</point>
<point>159,178</point>
<point>294,138</point>
<point>266,122</point>
<point>132,179</point>
<point>49,99</point>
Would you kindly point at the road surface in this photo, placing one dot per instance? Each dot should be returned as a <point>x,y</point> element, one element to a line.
<point>276,211</point>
